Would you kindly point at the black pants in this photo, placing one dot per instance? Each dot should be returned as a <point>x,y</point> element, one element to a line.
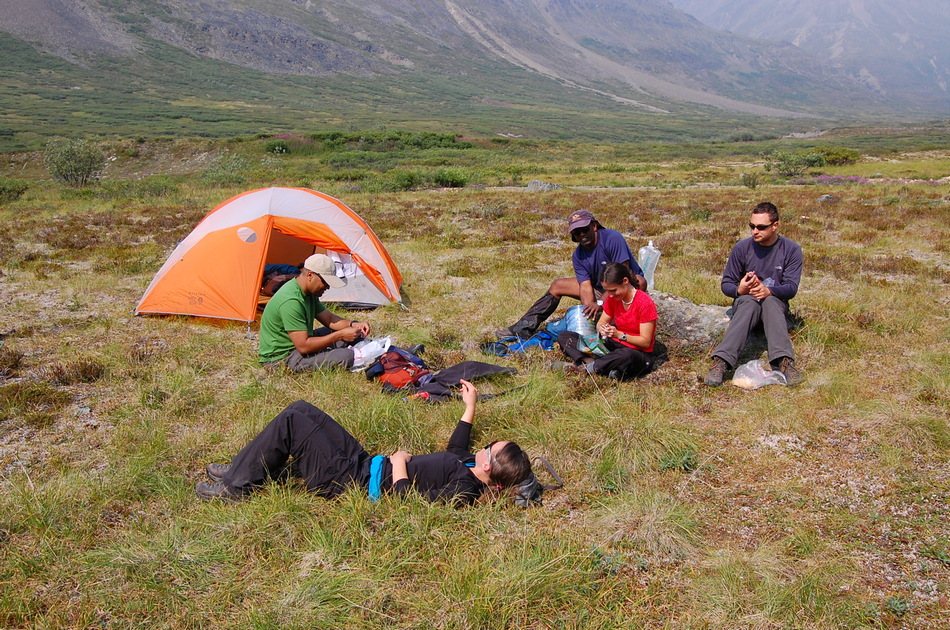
<point>325,454</point>
<point>627,362</point>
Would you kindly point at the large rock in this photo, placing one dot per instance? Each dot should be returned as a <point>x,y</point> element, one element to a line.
<point>683,323</point>
<point>536,185</point>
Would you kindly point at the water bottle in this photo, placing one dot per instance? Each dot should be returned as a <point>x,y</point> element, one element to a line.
<point>648,256</point>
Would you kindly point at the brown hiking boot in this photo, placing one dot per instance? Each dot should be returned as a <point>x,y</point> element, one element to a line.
<point>792,376</point>
<point>716,373</point>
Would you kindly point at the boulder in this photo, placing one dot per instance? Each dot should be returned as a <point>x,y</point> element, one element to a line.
<point>538,186</point>
<point>685,323</point>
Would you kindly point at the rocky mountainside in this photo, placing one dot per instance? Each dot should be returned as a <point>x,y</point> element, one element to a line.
<point>639,53</point>
<point>898,49</point>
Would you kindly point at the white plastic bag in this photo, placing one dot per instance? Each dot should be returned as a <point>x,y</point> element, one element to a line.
<point>756,374</point>
<point>368,350</point>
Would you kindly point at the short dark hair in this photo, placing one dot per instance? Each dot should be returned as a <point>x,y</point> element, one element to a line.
<point>615,272</point>
<point>510,466</point>
<point>767,207</point>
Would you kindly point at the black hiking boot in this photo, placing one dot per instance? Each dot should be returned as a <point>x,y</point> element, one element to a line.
<point>717,372</point>
<point>532,320</point>
<point>217,490</point>
<point>217,471</point>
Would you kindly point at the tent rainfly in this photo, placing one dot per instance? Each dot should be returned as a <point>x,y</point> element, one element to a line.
<point>216,271</point>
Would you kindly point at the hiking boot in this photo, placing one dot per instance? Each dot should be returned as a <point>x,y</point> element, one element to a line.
<point>216,490</point>
<point>217,471</point>
<point>417,349</point>
<point>716,373</point>
<point>792,376</point>
<point>531,321</point>
<point>560,366</point>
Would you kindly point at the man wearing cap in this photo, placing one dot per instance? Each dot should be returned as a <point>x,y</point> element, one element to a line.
<point>596,247</point>
<point>287,334</point>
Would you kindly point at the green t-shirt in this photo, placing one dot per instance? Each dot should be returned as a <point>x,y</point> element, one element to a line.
<point>288,310</point>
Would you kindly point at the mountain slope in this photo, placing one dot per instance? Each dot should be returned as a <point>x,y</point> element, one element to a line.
<point>628,46</point>
<point>898,49</point>
<point>532,64</point>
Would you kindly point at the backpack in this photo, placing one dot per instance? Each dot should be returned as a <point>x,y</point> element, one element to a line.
<point>399,371</point>
<point>528,493</point>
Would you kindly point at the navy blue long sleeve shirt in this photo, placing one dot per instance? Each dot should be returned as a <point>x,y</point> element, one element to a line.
<point>778,266</point>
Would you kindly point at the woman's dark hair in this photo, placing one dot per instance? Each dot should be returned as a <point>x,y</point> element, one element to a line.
<point>615,272</point>
<point>510,466</point>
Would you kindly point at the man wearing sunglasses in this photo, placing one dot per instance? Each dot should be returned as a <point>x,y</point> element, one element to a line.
<point>596,248</point>
<point>761,275</point>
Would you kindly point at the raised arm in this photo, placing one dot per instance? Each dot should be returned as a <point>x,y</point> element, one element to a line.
<point>461,438</point>
<point>469,397</point>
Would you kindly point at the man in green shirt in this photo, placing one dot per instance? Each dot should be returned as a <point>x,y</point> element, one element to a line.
<point>287,333</point>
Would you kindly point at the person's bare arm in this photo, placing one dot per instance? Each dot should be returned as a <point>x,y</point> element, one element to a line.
<point>308,345</point>
<point>587,299</point>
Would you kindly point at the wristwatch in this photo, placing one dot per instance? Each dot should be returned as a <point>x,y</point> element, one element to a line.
<point>623,336</point>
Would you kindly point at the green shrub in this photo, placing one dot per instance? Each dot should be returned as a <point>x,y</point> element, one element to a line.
<point>402,180</point>
<point>277,147</point>
<point>450,178</point>
<point>793,164</point>
<point>836,156</point>
<point>11,189</point>
<point>74,162</point>
<point>750,180</point>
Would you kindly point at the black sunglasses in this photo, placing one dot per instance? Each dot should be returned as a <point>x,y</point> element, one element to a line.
<point>760,228</point>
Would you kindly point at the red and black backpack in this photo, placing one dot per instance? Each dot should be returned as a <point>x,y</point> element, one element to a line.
<point>399,370</point>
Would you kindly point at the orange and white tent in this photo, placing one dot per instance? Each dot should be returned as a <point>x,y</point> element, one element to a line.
<point>216,271</point>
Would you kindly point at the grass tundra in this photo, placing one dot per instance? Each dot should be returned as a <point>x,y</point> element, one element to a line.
<point>822,506</point>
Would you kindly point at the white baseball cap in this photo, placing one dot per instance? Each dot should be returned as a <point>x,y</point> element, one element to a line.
<point>323,265</point>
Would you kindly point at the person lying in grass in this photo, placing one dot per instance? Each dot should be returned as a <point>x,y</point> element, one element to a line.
<point>329,460</point>
<point>627,325</point>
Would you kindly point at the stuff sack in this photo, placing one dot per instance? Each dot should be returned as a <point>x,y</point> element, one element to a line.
<point>399,371</point>
<point>516,345</point>
<point>530,491</point>
<point>755,374</point>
